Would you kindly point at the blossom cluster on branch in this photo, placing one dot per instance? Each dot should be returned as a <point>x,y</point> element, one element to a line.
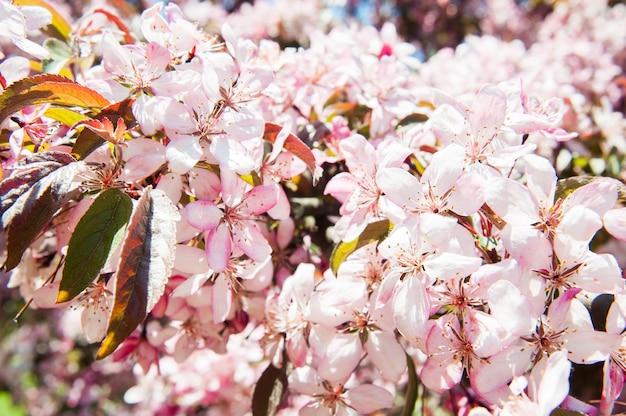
<point>232,225</point>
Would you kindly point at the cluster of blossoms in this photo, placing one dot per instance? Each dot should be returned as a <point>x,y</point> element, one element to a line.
<point>261,229</point>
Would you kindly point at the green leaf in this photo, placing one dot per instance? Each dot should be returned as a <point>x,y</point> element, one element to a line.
<point>65,115</point>
<point>412,119</point>
<point>48,88</point>
<point>96,235</point>
<point>145,263</point>
<point>58,49</point>
<point>411,388</point>
<point>29,213</point>
<point>269,390</point>
<point>374,231</point>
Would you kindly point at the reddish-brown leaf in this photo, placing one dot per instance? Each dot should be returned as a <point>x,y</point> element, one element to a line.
<point>28,207</point>
<point>293,144</point>
<point>48,88</point>
<point>145,263</point>
<point>88,140</point>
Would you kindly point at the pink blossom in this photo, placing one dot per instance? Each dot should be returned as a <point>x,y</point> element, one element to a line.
<point>233,226</point>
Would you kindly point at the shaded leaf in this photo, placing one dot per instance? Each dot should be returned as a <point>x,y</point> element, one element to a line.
<point>374,231</point>
<point>94,239</point>
<point>48,88</point>
<point>88,140</point>
<point>269,391</point>
<point>411,388</point>
<point>59,50</point>
<point>292,144</point>
<point>26,172</point>
<point>31,209</point>
<point>563,412</point>
<point>145,262</point>
<point>412,119</point>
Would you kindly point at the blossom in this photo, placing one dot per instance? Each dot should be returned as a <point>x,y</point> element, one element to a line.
<point>548,386</point>
<point>421,250</point>
<point>233,226</point>
<point>17,21</point>
<point>335,399</point>
<point>358,190</point>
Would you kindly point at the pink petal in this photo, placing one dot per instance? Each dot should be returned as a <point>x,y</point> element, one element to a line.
<point>559,308</point>
<point>574,232</point>
<point>449,125</point>
<point>203,215</point>
<point>402,188</point>
<point>338,354</point>
<point>218,248</point>
<point>600,273</point>
<point>552,381</point>
<point>360,155</point>
<point>251,241</point>
<point>588,347</point>
<point>282,209</point>
<point>613,382</point>
<point>511,308</point>
<point>615,223</point>
<point>157,59</point>
<point>513,202</point>
<point>599,196</point>
<point>221,299</point>
<point>528,246</point>
<point>541,178</point>
<point>341,186</point>
<point>411,308</point>
<point>441,376</point>
<point>258,200</point>
<point>183,152</point>
<point>449,265</point>
<point>487,113</point>
<point>386,354</point>
<point>172,185</point>
<point>190,260</point>
<point>368,398</point>
<point>492,374</point>
<point>297,348</point>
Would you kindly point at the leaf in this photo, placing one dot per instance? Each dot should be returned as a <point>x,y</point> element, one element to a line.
<point>26,172</point>
<point>60,57</point>
<point>564,412</point>
<point>59,50</point>
<point>412,119</point>
<point>566,186</point>
<point>58,22</point>
<point>292,144</point>
<point>88,140</point>
<point>28,211</point>
<point>145,263</point>
<point>411,388</point>
<point>96,235</point>
<point>65,115</point>
<point>374,231</point>
<point>48,88</point>
<point>269,391</point>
